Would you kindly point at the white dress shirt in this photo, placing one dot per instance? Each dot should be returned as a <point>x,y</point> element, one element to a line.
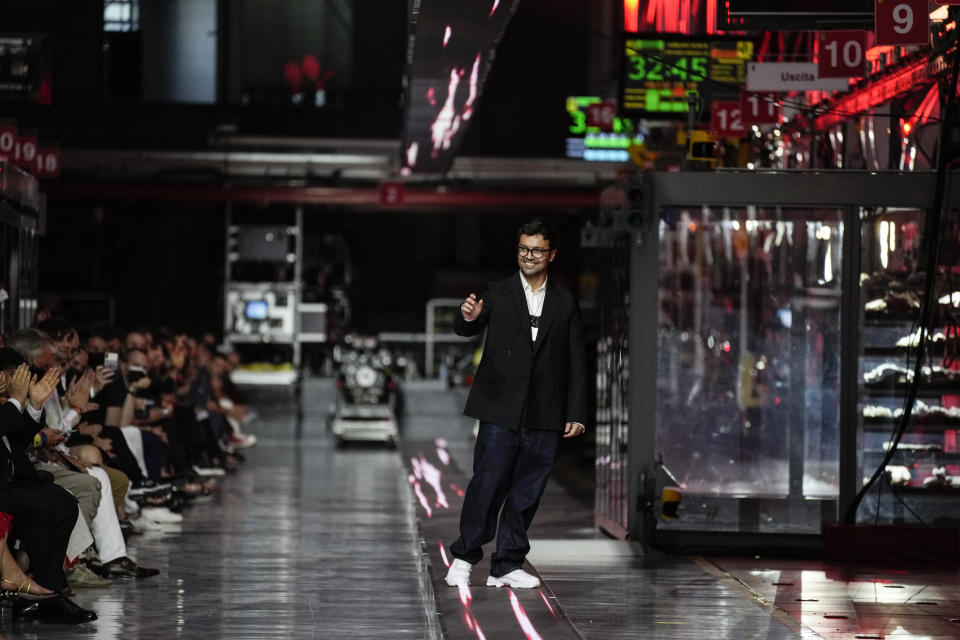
<point>535,300</point>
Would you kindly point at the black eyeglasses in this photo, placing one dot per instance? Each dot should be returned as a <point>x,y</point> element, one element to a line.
<point>536,252</point>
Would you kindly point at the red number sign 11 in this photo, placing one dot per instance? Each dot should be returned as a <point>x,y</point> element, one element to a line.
<point>842,54</point>
<point>760,108</point>
<point>726,120</point>
<point>901,22</point>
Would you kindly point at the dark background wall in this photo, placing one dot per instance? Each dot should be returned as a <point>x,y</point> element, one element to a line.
<point>164,263</point>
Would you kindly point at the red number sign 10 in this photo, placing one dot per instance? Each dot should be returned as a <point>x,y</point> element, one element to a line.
<point>760,108</point>
<point>842,54</point>
<point>8,139</point>
<point>726,119</point>
<point>901,22</point>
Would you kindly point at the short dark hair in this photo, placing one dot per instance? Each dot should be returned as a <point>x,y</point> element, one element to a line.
<point>56,327</point>
<point>10,359</point>
<point>539,227</point>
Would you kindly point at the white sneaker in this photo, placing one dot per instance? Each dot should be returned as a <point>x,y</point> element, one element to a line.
<point>161,515</point>
<point>518,579</point>
<point>459,573</point>
<point>209,472</point>
<point>146,524</point>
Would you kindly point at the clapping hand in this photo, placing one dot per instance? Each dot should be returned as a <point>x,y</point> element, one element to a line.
<point>78,393</point>
<point>19,384</point>
<point>471,308</point>
<point>41,389</point>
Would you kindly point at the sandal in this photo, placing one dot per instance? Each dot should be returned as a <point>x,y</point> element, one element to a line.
<point>23,591</point>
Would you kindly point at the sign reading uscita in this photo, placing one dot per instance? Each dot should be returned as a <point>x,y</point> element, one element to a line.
<point>790,76</point>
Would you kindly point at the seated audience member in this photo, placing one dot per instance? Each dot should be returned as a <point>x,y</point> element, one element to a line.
<point>38,349</point>
<point>116,404</point>
<point>45,514</point>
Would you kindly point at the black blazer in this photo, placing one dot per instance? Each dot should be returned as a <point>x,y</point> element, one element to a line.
<point>20,429</point>
<point>539,385</point>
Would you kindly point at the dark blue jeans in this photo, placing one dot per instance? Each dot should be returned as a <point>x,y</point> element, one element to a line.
<point>510,470</point>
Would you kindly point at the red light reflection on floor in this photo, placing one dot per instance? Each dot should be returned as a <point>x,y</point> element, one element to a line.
<point>419,493</point>
<point>465,595</point>
<point>446,35</point>
<point>547,602</point>
<point>457,490</point>
<point>474,626</point>
<point>422,468</point>
<point>522,618</point>
<point>443,554</point>
<point>443,455</point>
<point>493,9</point>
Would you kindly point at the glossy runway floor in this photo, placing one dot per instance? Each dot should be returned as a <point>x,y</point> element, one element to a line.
<point>311,541</point>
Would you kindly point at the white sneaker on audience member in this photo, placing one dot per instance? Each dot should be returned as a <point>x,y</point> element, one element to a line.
<point>160,514</point>
<point>145,524</point>
<point>459,573</point>
<point>208,472</point>
<point>242,440</point>
<point>518,579</point>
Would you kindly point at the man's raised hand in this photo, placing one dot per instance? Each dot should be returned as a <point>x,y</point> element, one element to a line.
<point>471,308</point>
<point>102,377</point>
<point>41,389</point>
<point>19,383</point>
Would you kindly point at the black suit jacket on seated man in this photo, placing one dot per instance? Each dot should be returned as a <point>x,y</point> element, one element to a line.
<point>521,383</point>
<point>44,513</point>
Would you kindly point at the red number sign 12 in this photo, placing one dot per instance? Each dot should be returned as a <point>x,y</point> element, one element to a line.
<point>602,114</point>
<point>760,108</point>
<point>901,22</point>
<point>842,54</point>
<point>726,120</point>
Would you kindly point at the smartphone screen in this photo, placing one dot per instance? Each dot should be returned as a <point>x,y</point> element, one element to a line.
<point>110,360</point>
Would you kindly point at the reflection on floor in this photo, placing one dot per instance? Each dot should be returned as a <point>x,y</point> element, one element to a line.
<point>305,541</point>
<point>311,541</point>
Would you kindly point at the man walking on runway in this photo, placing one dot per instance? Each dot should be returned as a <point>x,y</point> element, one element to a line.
<point>530,390</point>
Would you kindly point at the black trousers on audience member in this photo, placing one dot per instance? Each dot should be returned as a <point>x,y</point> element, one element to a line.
<point>177,457</point>
<point>193,435</point>
<point>510,470</point>
<point>43,519</point>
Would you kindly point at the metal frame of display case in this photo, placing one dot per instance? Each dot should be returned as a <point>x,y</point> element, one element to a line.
<point>846,190</point>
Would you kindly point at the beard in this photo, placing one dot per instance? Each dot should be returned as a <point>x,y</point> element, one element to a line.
<point>532,268</point>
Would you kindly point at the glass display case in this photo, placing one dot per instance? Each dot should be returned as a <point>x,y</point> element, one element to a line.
<point>748,360</point>
<point>923,473</point>
<point>751,378</point>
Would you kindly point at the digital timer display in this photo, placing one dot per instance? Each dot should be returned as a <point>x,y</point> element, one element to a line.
<point>659,72</point>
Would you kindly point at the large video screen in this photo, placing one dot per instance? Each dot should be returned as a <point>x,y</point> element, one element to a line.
<point>452,46</point>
